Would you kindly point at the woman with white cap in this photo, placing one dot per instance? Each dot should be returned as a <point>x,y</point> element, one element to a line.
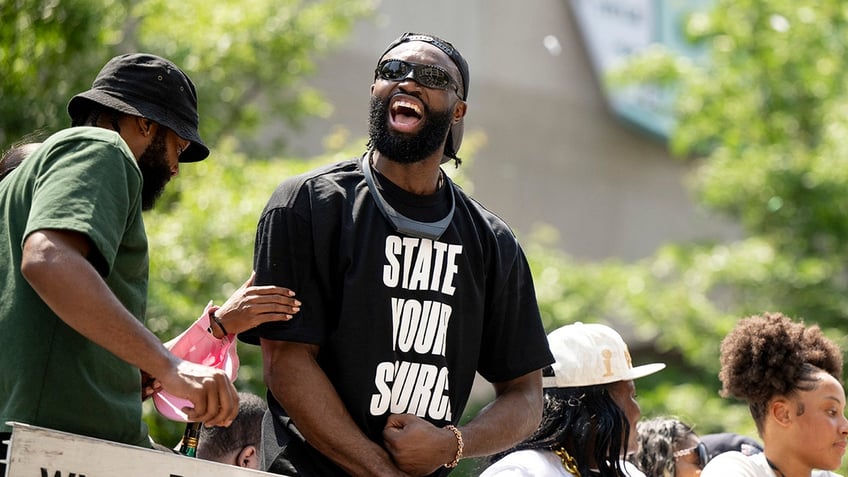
<point>590,412</point>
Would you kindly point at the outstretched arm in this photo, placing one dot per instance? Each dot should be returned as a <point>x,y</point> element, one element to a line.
<point>54,263</point>
<point>420,448</point>
<point>300,385</point>
<point>250,306</point>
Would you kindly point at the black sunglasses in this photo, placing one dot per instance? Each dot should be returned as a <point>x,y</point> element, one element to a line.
<point>430,76</point>
<point>701,452</point>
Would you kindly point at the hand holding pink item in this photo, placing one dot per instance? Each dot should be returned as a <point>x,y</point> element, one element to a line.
<point>196,344</point>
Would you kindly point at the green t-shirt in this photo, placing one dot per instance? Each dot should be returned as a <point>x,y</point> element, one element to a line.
<point>86,180</point>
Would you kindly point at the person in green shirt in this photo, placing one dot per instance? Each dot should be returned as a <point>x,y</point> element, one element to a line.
<point>75,261</point>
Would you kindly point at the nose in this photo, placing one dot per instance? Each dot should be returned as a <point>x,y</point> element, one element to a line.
<point>175,169</point>
<point>410,86</point>
<point>409,78</point>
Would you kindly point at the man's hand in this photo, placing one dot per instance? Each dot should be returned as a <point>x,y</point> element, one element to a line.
<point>210,390</point>
<point>416,446</point>
<point>149,385</point>
<point>250,306</point>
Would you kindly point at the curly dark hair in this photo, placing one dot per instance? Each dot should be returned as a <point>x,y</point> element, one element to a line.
<point>769,355</point>
<point>581,420</point>
<point>658,439</point>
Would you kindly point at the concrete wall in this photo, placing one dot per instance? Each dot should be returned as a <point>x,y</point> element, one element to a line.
<point>554,152</point>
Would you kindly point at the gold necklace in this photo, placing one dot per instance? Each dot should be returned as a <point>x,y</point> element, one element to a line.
<point>568,463</point>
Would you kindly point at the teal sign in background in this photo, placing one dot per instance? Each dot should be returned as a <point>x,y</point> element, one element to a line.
<point>613,30</point>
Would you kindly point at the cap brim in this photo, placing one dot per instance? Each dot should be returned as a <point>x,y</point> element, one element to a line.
<point>633,373</point>
<point>195,152</point>
<point>645,370</point>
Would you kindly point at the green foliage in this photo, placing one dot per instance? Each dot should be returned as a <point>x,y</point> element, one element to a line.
<point>248,64</point>
<point>49,50</point>
<point>765,116</point>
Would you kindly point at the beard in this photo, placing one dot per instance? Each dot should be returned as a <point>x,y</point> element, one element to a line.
<point>155,170</point>
<point>406,148</point>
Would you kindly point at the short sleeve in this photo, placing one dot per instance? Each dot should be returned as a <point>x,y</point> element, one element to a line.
<point>284,256</point>
<point>92,187</point>
<point>514,339</point>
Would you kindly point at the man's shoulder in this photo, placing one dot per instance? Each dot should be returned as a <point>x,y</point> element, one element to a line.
<point>84,135</point>
<point>91,151</point>
<point>336,173</point>
<point>487,222</point>
<point>91,142</point>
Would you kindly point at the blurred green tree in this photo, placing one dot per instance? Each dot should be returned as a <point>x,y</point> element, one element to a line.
<point>763,122</point>
<point>248,63</point>
<point>49,51</point>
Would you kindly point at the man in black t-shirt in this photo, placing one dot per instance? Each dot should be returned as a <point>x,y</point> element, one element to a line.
<point>408,287</point>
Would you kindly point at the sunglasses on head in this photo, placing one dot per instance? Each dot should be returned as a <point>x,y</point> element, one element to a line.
<point>430,76</point>
<point>700,451</point>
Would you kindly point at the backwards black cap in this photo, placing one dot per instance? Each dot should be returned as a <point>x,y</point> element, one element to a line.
<point>456,130</point>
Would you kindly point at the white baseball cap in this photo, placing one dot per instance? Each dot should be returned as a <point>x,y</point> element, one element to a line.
<point>589,354</point>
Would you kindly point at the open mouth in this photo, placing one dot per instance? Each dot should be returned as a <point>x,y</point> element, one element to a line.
<point>405,114</point>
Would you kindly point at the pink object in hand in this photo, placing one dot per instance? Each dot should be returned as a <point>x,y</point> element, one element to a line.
<point>198,345</point>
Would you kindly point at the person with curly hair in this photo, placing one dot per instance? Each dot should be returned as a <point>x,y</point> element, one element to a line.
<point>668,447</point>
<point>589,420</point>
<point>791,376</point>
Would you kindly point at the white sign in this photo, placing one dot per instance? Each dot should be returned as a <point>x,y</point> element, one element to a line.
<point>39,452</point>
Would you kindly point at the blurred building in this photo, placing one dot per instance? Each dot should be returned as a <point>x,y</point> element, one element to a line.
<point>556,152</point>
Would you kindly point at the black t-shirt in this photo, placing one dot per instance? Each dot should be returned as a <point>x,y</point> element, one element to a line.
<point>403,323</point>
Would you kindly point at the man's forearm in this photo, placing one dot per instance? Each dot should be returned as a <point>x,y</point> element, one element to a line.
<point>73,289</point>
<point>510,418</point>
<point>302,388</point>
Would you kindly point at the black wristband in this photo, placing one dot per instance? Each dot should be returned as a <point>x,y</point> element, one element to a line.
<point>216,320</point>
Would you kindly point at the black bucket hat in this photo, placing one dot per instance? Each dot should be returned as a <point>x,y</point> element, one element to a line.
<point>456,130</point>
<point>149,86</point>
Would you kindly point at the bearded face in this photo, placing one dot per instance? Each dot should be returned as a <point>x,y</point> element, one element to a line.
<point>405,147</point>
<point>155,170</point>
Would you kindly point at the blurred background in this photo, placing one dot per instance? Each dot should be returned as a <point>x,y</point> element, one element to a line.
<point>669,166</point>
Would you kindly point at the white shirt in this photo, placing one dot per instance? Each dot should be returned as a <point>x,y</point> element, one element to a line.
<point>539,463</point>
<point>737,464</point>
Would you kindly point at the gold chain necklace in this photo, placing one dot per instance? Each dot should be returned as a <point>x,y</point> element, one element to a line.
<point>568,463</point>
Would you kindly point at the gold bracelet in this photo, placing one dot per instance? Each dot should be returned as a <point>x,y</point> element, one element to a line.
<point>459,446</point>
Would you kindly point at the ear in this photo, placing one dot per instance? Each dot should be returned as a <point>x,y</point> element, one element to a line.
<point>459,111</point>
<point>145,126</point>
<point>248,457</point>
<point>780,410</point>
